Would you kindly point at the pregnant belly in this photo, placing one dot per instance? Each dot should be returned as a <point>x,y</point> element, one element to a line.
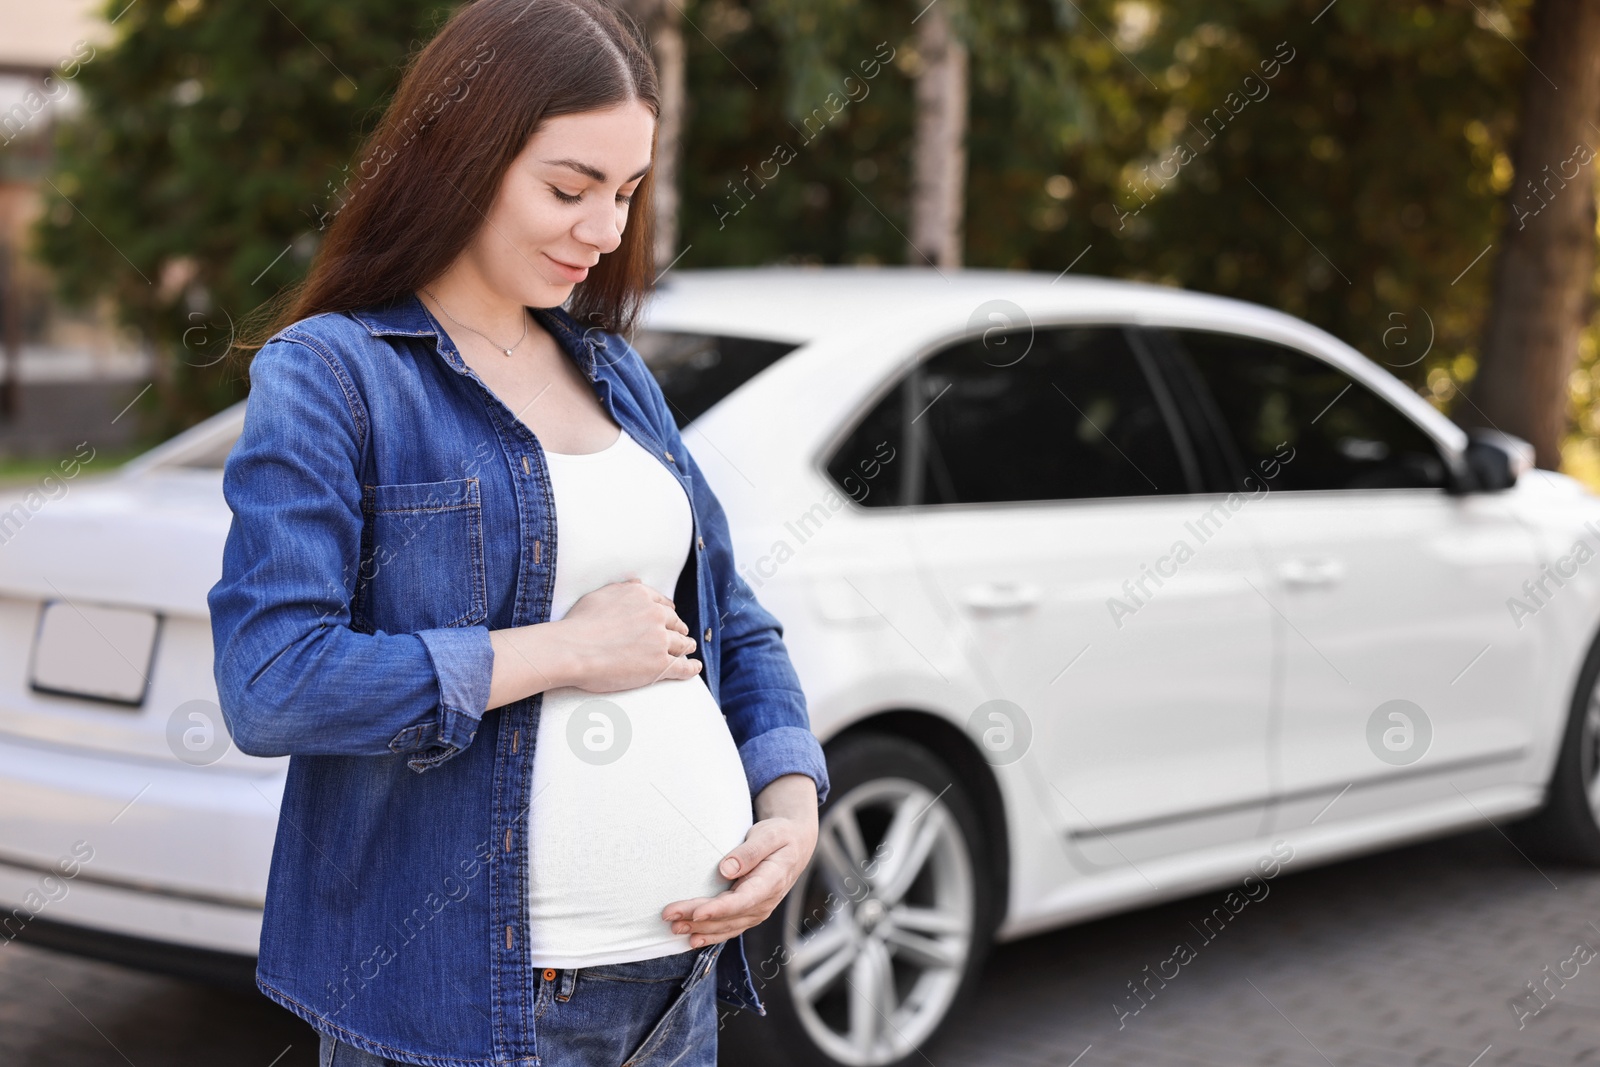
<point>637,796</point>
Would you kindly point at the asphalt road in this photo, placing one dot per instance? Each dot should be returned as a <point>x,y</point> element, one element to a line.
<point>1416,956</point>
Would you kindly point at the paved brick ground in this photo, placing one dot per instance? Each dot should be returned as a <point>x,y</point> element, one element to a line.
<point>1407,958</point>
<point>61,1011</point>
<point>1410,957</point>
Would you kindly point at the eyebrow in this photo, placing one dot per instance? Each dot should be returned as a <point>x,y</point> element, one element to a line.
<point>589,171</point>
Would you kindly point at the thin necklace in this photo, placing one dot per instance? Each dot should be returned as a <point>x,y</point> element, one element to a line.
<point>480,333</point>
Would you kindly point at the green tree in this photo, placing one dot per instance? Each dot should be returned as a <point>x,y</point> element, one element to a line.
<point>1353,187</point>
<point>1544,273</point>
<point>212,147</point>
<point>1344,162</point>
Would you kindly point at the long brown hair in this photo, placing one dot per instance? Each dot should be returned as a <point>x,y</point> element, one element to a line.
<point>465,107</point>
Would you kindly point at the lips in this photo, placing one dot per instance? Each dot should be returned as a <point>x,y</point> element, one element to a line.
<point>567,270</point>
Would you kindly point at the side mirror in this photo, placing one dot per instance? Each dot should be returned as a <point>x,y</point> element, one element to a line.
<point>1494,461</point>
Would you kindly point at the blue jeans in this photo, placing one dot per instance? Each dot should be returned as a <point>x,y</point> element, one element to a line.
<point>660,1011</point>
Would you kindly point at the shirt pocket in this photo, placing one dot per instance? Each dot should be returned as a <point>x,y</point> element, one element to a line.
<point>422,564</point>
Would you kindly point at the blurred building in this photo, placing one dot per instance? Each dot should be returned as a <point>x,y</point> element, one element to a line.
<point>65,374</point>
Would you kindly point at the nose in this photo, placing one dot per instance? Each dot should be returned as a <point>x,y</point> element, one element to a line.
<point>600,229</point>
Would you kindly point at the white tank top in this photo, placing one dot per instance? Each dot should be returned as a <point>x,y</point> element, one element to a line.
<point>630,811</point>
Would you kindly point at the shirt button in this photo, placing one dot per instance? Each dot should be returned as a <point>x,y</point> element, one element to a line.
<point>669,457</point>
<point>708,633</point>
<point>701,542</point>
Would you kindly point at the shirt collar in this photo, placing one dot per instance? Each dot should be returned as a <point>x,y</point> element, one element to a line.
<point>407,316</point>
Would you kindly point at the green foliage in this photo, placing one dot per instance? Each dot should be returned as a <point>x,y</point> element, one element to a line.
<point>213,142</point>
<point>786,160</point>
<point>1354,188</point>
<point>1354,193</point>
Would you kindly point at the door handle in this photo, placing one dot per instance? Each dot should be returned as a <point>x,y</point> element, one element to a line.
<point>1308,573</point>
<point>992,598</point>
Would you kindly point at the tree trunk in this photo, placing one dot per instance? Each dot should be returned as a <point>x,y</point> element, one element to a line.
<point>662,22</point>
<point>939,154</point>
<point>10,331</point>
<point>1545,263</point>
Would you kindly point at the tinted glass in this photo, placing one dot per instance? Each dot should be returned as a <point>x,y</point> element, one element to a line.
<point>1318,427</point>
<point>870,464</point>
<point>1070,416</point>
<point>696,370</point>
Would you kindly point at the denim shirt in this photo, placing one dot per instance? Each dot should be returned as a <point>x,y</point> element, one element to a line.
<point>389,510</point>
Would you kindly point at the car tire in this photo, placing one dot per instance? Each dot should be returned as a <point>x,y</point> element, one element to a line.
<point>864,971</point>
<point>1567,828</point>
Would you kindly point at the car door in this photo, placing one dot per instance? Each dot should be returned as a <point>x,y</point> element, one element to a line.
<point>1405,679</point>
<point>1124,659</point>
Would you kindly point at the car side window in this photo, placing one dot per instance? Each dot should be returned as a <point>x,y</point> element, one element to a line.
<point>1059,413</point>
<point>1325,429</point>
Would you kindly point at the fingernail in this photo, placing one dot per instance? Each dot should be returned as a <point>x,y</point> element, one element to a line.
<point>730,866</point>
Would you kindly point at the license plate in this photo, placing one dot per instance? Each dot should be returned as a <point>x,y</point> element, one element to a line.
<point>94,652</point>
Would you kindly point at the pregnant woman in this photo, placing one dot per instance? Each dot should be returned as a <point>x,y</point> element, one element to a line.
<point>549,758</point>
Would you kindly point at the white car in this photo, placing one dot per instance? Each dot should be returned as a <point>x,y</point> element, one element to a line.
<point>1102,594</point>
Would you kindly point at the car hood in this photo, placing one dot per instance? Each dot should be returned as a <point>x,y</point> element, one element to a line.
<point>151,540</point>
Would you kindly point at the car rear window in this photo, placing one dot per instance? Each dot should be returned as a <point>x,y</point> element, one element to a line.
<point>696,370</point>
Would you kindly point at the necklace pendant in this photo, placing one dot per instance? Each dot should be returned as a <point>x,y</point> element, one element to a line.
<point>508,352</point>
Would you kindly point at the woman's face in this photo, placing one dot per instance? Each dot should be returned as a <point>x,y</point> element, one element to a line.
<point>563,203</point>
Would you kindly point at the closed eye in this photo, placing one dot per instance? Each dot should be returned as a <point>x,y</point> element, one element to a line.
<point>573,198</point>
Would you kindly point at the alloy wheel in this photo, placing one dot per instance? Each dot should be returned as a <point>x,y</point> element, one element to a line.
<point>878,935</point>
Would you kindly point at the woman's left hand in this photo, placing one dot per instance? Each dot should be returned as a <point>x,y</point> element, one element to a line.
<point>764,867</point>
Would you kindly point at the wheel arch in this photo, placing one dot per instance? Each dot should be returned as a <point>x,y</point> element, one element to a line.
<point>1564,827</point>
<point>1572,696</point>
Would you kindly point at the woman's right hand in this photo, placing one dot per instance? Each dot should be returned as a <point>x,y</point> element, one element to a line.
<point>628,635</point>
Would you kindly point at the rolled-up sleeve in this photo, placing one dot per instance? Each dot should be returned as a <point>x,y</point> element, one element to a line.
<point>760,692</point>
<point>292,676</point>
